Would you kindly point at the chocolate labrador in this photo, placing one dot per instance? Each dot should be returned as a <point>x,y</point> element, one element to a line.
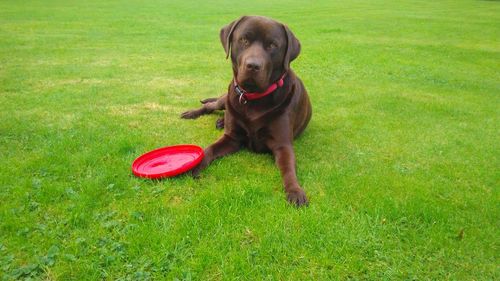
<point>266,106</point>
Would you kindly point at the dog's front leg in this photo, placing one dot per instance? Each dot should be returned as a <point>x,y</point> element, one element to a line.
<point>224,146</point>
<point>285,160</point>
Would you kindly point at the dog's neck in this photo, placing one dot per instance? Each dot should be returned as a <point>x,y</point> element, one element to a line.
<point>245,96</point>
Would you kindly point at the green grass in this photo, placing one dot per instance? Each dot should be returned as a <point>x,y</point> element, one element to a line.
<point>400,160</point>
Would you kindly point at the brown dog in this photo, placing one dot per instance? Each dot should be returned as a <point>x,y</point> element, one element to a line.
<point>266,105</point>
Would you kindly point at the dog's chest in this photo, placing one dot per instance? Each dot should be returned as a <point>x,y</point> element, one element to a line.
<point>253,123</point>
<point>255,135</point>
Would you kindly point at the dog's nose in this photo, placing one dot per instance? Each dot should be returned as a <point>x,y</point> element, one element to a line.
<point>253,65</point>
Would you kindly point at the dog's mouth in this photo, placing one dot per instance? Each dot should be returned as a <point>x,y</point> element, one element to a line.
<point>250,86</point>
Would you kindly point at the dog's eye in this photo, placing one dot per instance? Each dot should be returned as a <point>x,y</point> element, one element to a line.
<point>272,45</point>
<point>244,41</point>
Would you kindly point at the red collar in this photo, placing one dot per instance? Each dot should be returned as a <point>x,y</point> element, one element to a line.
<point>246,96</point>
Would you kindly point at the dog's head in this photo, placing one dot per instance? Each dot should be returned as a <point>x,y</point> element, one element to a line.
<point>261,50</point>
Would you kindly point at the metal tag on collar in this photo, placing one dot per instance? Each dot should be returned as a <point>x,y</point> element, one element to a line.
<point>243,100</point>
<point>240,93</point>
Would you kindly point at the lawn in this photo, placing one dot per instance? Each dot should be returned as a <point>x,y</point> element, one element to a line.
<point>400,161</point>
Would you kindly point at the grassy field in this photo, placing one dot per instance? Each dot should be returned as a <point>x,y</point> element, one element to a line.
<point>400,160</point>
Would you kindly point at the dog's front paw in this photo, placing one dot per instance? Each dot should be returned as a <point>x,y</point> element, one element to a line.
<point>297,196</point>
<point>195,172</point>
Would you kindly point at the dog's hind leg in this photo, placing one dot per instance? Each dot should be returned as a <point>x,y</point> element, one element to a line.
<point>208,106</point>
<point>219,124</point>
<point>208,100</point>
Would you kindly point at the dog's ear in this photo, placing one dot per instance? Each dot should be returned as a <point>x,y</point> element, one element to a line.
<point>292,49</point>
<point>225,35</point>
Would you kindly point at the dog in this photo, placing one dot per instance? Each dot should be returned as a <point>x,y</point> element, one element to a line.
<point>266,104</point>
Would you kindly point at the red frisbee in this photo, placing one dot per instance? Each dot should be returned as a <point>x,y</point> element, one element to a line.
<point>167,161</point>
